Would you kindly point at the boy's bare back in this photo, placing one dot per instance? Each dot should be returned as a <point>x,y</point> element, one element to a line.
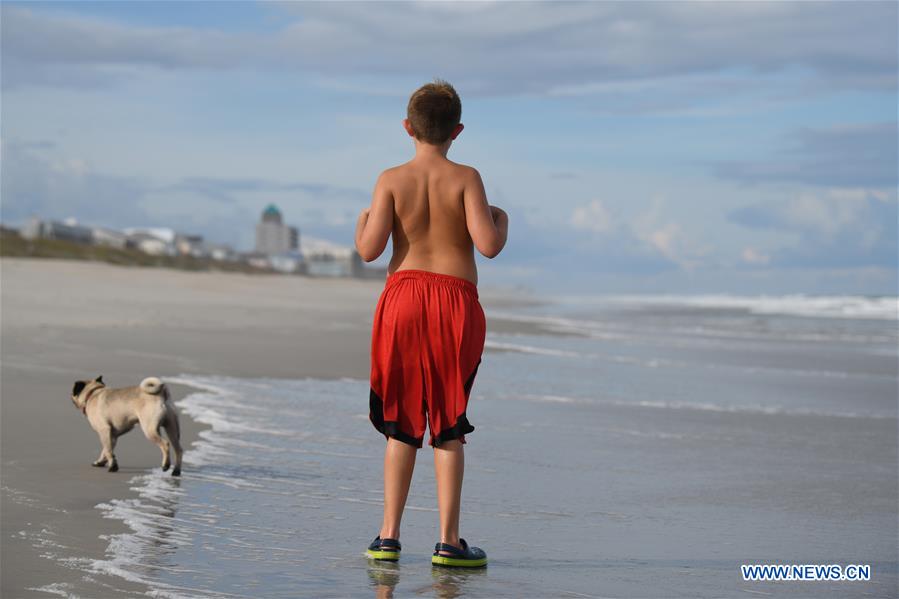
<point>432,197</point>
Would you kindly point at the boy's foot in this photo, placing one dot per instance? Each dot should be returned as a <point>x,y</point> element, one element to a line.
<point>386,549</point>
<point>466,557</point>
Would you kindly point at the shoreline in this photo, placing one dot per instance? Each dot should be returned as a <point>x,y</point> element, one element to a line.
<point>64,320</point>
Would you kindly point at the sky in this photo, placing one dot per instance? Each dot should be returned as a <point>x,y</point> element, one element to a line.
<point>638,147</point>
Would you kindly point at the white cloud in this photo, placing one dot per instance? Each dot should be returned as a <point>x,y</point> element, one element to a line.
<point>837,227</point>
<point>669,238</point>
<point>675,244</point>
<point>593,217</point>
<point>824,213</point>
<point>487,49</point>
<point>753,256</point>
<point>649,236</point>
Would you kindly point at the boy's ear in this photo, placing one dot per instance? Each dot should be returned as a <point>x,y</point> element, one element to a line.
<point>408,127</point>
<point>457,131</point>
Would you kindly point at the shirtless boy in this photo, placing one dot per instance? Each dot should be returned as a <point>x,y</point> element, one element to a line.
<point>429,327</point>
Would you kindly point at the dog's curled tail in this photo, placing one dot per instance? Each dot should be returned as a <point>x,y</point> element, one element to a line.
<point>152,385</point>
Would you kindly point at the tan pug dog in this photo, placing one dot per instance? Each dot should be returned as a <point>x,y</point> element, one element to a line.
<point>114,412</point>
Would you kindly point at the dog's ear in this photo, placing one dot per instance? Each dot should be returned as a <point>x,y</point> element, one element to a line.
<point>78,388</point>
<point>99,379</point>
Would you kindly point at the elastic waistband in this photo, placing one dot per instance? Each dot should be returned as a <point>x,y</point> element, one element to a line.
<point>436,277</point>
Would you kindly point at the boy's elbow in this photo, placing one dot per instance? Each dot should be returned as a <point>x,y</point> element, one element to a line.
<point>368,254</point>
<point>492,250</point>
<point>363,253</point>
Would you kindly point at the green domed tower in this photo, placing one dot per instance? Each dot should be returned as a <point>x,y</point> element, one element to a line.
<point>271,214</point>
<point>273,237</point>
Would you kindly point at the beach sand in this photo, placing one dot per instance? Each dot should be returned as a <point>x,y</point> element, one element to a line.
<point>68,320</point>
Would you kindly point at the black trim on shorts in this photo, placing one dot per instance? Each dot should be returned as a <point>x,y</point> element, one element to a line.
<point>470,380</point>
<point>389,428</point>
<point>462,426</point>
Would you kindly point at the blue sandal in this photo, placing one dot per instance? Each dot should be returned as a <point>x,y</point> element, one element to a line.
<point>386,549</point>
<point>467,557</point>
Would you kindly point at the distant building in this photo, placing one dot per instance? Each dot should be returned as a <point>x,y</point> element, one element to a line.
<point>257,260</point>
<point>69,230</point>
<point>327,259</point>
<point>368,272</point>
<point>191,245</point>
<point>221,252</point>
<point>158,241</point>
<point>110,237</point>
<point>164,233</point>
<point>150,244</point>
<point>291,262</point>
<point>273,236</point>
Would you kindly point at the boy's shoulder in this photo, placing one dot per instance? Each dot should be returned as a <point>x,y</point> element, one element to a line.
<point>404,169</point>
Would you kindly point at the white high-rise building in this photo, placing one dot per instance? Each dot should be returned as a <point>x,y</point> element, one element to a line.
<point>273,236</point>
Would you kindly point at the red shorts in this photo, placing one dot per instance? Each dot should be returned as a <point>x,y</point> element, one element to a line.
<point>427,339</point>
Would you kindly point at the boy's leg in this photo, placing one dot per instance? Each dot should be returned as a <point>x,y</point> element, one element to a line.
<point>449,466</point>
<point>399,462</point>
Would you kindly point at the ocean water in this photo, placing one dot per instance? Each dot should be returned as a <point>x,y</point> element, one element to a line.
<point>642,447</point>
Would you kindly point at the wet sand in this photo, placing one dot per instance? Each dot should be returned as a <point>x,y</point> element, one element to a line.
<point>65,320</point>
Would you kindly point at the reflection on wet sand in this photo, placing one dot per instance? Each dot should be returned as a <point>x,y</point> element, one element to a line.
<point>448,583</point>
<point>384,577</point>
<point>161,531</point>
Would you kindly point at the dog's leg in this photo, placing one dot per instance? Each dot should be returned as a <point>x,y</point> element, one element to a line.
<point>151,430</point>
<point>113,463</point>
<point>101,461</point>
<point>107,456</point>
<point>173,431</point>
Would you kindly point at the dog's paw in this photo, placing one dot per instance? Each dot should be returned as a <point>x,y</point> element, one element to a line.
<point>114,467</point>
<point>99,463</point>
<point>165,467</point>
<point>176,472</point>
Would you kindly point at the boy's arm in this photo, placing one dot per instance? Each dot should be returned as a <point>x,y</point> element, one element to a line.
<point>501,220</point>
<point>487,225</point>
<point>375,223</point>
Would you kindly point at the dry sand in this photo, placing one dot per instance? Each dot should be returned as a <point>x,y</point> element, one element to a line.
<point>64,320</point>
